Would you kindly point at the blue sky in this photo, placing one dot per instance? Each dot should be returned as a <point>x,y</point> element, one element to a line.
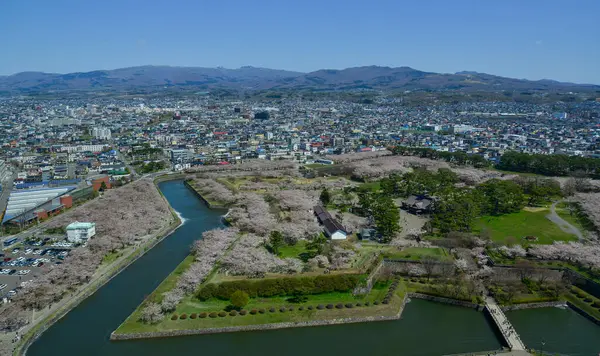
<point>530,39</point>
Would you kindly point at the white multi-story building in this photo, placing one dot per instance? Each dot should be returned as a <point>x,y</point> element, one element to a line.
<point>80,232</point>
<point>101,133</point>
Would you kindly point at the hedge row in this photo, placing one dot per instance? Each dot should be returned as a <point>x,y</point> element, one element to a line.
<point>281,286</point>
<point>274,310</point>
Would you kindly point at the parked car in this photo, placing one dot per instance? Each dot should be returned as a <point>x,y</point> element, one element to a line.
<point>2,286</point>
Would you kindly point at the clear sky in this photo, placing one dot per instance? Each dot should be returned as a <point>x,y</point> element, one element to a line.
<point>533,39</point>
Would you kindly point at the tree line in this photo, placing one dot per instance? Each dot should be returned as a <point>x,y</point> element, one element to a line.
<point>550,165</point>
<point>458,158</point>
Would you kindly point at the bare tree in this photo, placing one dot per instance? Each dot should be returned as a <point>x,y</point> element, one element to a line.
<point>525,269</point>
<point>429,264</point>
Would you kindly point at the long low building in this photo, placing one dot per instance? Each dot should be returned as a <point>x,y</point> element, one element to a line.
<point>23,204</point>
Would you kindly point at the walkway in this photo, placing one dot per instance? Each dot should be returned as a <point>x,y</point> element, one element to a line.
<point>562,223</point>
<point>508,332</point>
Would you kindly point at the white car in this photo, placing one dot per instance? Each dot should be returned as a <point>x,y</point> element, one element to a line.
<point>11,293</point>
<point>16,250</point>
<point>23,272</point>
<point>28,251</point>
<point>5,271</point>
<point>37,251</point>
<point>2,286</point>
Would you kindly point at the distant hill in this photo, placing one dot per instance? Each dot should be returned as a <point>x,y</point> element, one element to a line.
<point>369,77</point>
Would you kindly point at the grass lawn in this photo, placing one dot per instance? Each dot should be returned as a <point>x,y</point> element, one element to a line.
<point>191,305</point>
<point>112,256</point>
<point>313,165</point>
<point>418,253</point>
<point>373,186</point>
<point>293,250</point>
<point>169,282</point>
<point>575,219</point>
<point>521,224</point>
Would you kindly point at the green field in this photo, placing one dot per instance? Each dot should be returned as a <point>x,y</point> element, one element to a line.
<point>516,226</point>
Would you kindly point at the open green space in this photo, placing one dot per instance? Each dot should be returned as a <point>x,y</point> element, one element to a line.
<point>512,228</point>
<point>293,250</point>
<point>191,305</point>
<point>374,186</point>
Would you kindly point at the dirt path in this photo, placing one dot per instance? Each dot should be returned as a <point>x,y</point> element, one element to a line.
<point>562,223</point>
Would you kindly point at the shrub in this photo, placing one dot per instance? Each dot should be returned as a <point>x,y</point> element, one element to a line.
<point>349,305</point>
<point>282,309</point>
<point>291,308</point>
<point>359,304</point>
<point>174,317</point>
<point>261,310</point>
<point>367,303</point>
<point>375,303</point>
<point>310,307</point>
<point>213,315</point>
<point>281,286</point>
<point>329,306</point>
<point>596,304</point>
<point>272,310</point>
<point>233,313</point>
<point>239,298</point>
<point>339,306</point>
<point>203,315</point>
<point>587,300</point>
<point>183,316</point>
<point>386,301</point>
<point>243,312</point>
<point>222,314</point>
<point>300,308</point>
<point>320,306</point>
<point>253,311</point>
<point>193,316</point>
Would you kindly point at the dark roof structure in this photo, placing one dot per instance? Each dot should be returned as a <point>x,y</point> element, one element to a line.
<point>330,224</point>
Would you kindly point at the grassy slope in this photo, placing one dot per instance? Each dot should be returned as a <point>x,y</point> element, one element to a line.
<point>521,224</point>
<point>192,305</point>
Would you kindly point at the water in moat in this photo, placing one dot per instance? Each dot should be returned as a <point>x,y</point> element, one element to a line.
<point>556,330</point>
<point>426,328</point>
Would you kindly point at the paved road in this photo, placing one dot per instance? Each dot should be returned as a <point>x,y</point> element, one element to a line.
<point>562,223</point>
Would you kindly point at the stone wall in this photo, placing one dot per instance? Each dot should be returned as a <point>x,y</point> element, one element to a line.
<point>409,267</point>
<point>583,282</point>
<point>583,313</point>
<point>533,305</point>
<point>512,274</point>
<point>460,303</point>
<point>212,206</point>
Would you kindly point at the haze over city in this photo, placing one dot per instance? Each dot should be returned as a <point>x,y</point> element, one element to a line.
<point>519,39</point>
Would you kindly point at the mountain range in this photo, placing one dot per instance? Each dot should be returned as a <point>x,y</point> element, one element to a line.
<point>252,78</point>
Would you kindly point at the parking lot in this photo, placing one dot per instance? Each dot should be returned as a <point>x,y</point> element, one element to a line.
<point>21,263</point>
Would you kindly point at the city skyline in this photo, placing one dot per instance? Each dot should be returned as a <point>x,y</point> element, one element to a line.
<point>535,40</point>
